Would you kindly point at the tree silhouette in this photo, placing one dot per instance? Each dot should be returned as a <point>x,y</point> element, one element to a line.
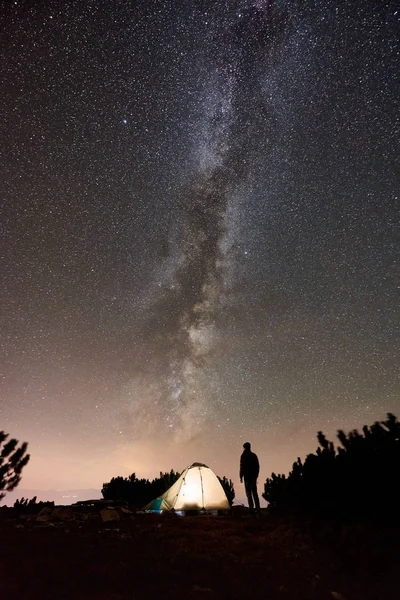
<point>163,483</point>
<point>12,460</point>
<point>359,479</point>
<point>116,489</point>
<point>229,489</point>
<point>30,506</point>
<point>25,502</point>
<point>138,492</point>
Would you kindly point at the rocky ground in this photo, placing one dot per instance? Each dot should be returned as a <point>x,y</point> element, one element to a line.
<point>107,554</point>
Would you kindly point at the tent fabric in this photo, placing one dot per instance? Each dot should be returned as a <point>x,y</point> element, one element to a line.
<point>198,488</point>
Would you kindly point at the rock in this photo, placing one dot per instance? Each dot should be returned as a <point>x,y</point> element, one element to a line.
<point>44,515</point>
<point>125,511</point>
<point>337,596</point>
<point>93,517</point>
<point>109,514</point>
<point>63,514</point>
<point>60,513</point>
<point>198,588</point>
<point>88,516</point>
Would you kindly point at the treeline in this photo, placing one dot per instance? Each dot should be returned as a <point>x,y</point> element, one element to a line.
<point>359,479</point>
<point>138,492</point>
<point>31,505</point>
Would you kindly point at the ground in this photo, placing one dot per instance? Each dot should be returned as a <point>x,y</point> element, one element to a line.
<point>235,556</point>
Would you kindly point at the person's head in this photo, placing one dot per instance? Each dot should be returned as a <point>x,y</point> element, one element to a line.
<point>247,445</point>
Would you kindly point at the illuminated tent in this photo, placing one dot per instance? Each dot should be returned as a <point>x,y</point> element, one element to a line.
<point>197,489</point>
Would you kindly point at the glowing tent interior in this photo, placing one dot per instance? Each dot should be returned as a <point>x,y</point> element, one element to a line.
<point>197,489</point>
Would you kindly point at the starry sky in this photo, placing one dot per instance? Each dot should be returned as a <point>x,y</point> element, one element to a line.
<point>199,231</point>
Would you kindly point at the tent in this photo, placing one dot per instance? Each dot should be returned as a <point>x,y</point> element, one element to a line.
<point>197,489</point>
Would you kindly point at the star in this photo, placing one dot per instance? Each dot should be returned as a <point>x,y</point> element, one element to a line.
<point>200,231</point>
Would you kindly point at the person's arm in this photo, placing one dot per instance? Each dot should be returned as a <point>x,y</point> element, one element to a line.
<point>258,467</point>
<point>241,469</point>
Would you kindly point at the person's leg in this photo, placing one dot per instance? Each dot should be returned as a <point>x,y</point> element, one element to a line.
<point>255,495</point>
<point>248,489</point>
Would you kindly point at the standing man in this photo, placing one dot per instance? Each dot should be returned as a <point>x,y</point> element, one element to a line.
<point>249,470</point>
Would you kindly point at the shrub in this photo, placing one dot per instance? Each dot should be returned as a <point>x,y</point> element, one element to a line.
<point>360,478</point>
<point>138,492</point>
<point>229,489</point>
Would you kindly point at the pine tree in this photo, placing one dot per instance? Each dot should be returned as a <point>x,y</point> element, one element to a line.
<point>138,491</point>
<point>12,460</point>
<point>359,479</point>
<point>229,489</point>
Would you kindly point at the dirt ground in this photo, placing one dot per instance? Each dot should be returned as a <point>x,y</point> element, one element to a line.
<point>235,556</point>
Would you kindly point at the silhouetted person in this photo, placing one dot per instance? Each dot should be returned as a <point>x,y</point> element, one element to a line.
<point>249,470</point>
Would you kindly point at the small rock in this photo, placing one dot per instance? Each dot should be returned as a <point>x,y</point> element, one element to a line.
<point>89,517</point>
<point>337,596</point>
<point>93,517</point>
<point>125,511</point>
<point>46,510</point>
<point>197,588</point>
<point>44,515</point>
<point>109,514</point>
<point>63,514</point>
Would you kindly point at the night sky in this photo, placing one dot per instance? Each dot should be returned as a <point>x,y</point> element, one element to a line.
<point>199,231</point>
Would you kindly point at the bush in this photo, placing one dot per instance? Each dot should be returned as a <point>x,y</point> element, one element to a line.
<point>360,479</point>
<point>30,506</point>
<point>229,489</point>
<point>138,492</point>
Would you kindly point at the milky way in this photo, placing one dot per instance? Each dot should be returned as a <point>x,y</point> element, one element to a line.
<point>238,49</point>
<point>240,39</point>
<point>200,205</point>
